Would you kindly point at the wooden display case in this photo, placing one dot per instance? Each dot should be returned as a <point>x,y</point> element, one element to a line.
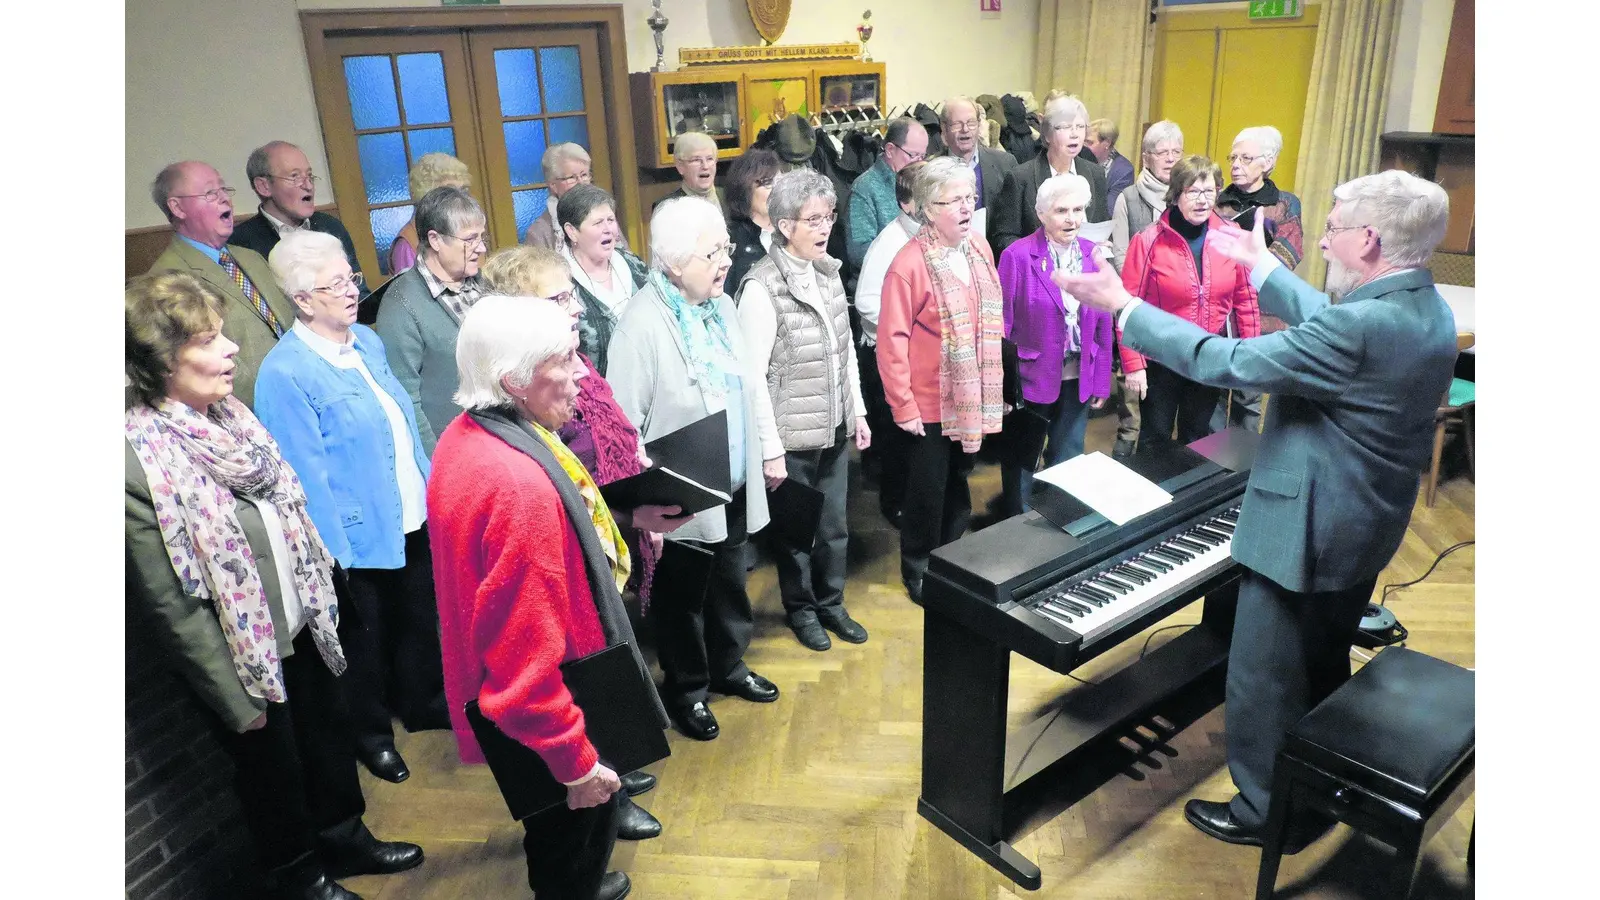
<point>735,102</point>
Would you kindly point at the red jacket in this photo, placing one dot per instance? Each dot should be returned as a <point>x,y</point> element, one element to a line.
<point>514,602</point>
<point>1159,269</point>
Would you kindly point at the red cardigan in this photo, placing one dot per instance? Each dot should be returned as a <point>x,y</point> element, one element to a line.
<point>909,335</point>
<point>1159,269</point>
<point>514,602</point>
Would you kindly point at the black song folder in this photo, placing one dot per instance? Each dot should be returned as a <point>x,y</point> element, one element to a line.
<point>796,514</point>
<point>662,486</point>
<point>618,715</point>
<point>698,451</point>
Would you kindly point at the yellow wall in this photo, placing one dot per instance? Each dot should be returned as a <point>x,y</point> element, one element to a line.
<point>212,79</point>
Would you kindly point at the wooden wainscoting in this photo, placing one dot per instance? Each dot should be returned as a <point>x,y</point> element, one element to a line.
<point>141,246</point>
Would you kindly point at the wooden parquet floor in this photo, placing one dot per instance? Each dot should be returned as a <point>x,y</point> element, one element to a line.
<point>814,797</point>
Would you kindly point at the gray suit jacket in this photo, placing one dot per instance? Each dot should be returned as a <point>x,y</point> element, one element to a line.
<point>1350,427</point>
<point>240,321</point>
<point>419,338</point>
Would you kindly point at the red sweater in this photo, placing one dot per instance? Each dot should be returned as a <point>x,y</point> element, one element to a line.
<point>1159,269</point>
<point>514,602</point>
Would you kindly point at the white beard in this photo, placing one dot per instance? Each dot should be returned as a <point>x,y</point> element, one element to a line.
<point>1341,281</point>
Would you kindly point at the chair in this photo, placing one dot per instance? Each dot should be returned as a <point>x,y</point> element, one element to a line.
<point>1389,753</point>
<point>1455,413</point>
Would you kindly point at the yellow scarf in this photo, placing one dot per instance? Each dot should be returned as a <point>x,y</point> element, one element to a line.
<point>605,526</point>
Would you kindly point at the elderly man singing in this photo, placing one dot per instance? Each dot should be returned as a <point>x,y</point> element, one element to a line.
<point>694,154</point>
<point>284,182</point>
<point>1355,386</point>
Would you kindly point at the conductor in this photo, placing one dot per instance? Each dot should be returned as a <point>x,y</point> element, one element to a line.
<point>1354,387</point>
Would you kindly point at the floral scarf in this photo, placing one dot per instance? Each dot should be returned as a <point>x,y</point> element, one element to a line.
<point>705,336</point>
<point>600,514</point>
<point>970,374</point>
<point>194,464</point>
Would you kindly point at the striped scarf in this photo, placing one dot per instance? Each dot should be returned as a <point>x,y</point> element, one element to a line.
<point>600,514</point>
<point>970,374</point>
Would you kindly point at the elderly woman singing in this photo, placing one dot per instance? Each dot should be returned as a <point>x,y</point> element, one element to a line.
<point>679,355</point>
<point>797,322</point>
<point>1063,347</point>
<point>347,426</point>
<point>939,334</point>
<point>604,273</point>
<point>529,565</point>
<point>227,569</point>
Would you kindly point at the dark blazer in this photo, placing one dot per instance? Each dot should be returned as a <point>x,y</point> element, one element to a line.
<point>747,251</point>
<point>1350,428</point>
<point>994,164</point>
<point>240,321</point>
<point>259,235</point>
<point>1014,216</point>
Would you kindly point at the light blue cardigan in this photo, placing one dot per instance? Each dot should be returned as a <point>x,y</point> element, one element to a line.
<point>334,433</point>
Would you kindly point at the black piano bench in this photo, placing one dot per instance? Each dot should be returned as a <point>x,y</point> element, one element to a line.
<point>1390,753</point>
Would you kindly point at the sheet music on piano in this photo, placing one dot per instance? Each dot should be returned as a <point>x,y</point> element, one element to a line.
<point>1106,486</point>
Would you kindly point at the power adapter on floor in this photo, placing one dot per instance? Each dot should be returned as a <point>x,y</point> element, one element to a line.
<point>1379,628</point>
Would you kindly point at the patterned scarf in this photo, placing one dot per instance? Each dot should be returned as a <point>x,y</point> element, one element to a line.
<point>600,514</point>
<point>704,334</point>
<point>616,455</point>
<point>1152,191</point>
<point>970,375</point>
<point>194,464</point>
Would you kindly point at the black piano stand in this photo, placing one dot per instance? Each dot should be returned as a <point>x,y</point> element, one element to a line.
<point>965,686</point>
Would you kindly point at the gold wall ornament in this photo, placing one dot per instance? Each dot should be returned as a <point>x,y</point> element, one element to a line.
<point>770,17</point>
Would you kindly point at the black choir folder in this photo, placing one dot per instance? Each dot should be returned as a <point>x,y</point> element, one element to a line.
<point>688,468</point>
<point>617,714</point>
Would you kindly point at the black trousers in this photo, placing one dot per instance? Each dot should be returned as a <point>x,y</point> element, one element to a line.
<point>1290,651</point>
<point>1171,396</point>
<point>395,659</point>
<point>296,777</point>
<point>568,850</point>
<point>701,611</point>
<point>938,503</point>
<point>887,445</point>
<point>815,579</point>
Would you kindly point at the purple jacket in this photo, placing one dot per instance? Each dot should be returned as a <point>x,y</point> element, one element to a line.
<point>1036,323</point>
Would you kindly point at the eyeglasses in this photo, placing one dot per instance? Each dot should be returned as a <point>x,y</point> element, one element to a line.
<point>910,157</point>
<point>1076,128</point>
<point>764,182</point>
<point>585,176</point>
<point>215,195</point>
<point>297,178</point>
<point>471,239</point>
<point>1166,154</point>
<point>964,200</point>
<point>567,300</point>
<point>968,125</point>
<point>342,284</point>
<point>1201,193</point>
<point>1335,229</point>
<point>723,252</point>
<point>701,160</point>
<point>1246,160</point>
<point>815,222</point>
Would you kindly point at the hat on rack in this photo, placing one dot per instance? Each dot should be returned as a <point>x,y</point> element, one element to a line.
<point>1028,103</point>
<point>796,140</point>
<point>991,107</point>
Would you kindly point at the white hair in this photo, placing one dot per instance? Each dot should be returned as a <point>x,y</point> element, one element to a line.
<point>560,153</point>
<point>676,227</point>
<point>1160,133</point>
<point>932,178</point>
<point>1408,213</point>
<point>299,256</point>
<point>1055,186</point>
<point>1268,138</point>
<point>684,145</point>
<point>1063,110</point>
<point>502,339</point>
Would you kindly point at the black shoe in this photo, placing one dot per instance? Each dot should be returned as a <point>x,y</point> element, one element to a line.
<point>366,855</point>
<point>325,888</point>
<point>913,590</point>
<point>1216,819</point>
<point>808,631</point>
<point>845,627</point>
<point>614,886</point>
<point>1122,449</point>
<point>751,687</point>
<point>695,721</point>
<point>386,764</point>
<point>636,783</point>
<point>634,822</point>
<point>305,879</point>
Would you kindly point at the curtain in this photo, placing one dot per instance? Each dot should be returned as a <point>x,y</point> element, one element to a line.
<point>1096,50</point>
<point>1345,107</point>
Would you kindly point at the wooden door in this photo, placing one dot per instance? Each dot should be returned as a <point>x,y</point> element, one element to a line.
<point>1458,84</point>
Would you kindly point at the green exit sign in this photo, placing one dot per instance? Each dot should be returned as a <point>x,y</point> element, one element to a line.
<point>1276,9</point>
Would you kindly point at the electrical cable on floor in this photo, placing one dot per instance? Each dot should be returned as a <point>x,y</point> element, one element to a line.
<point>1158,631</point>
<point>1053,717</point>
<point>1388,589</point>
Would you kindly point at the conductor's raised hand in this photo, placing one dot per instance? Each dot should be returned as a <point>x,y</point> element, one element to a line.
<point>1243,247</point>
<point>1101,289</point>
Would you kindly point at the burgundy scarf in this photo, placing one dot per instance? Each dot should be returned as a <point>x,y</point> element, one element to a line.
<point>616,455</point>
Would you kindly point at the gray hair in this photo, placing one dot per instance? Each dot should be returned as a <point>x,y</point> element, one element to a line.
<point>1160,133</point>
<point>1055,186</point>
<point>675,228</point>
<point>932,178</point>
<point>1063,110</point>
<point>684,144</point>
<point>574,207</point>
<point>1408,213</point>
<point>1270,139</point>
<point>790,191</point>
<point>559,153</point>
<point>299,256</point>
<point>503,339</point>
<point>161,188</point>
<point>899,129</point>
<point>259,165</point>
<point>447,210</point>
